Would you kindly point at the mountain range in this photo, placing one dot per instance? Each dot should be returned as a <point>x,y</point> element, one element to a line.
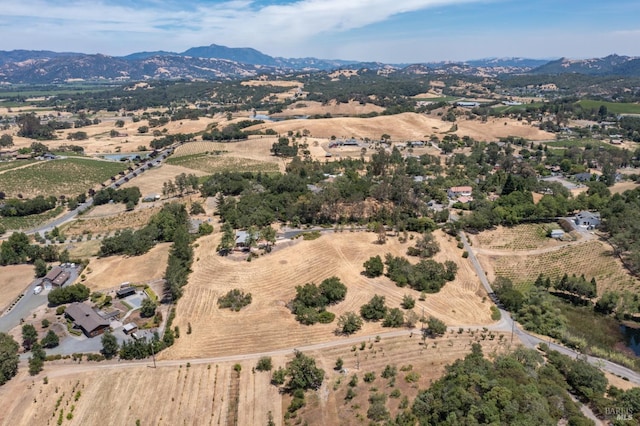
<point>221,62</point>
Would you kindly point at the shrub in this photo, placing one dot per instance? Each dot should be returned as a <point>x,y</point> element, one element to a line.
<point>235,300</point>
<point>264,364</point>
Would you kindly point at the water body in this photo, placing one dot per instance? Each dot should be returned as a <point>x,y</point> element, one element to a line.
<point>632,338</point>
<point>128,156</point>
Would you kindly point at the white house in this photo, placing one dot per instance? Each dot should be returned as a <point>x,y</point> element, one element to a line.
<point>459,191</point>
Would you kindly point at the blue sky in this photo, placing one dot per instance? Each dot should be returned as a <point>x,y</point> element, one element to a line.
<point>394,31</point>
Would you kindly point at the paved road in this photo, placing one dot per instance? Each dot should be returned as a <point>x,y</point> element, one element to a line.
<point>531,341</point>
<point>130,175</point>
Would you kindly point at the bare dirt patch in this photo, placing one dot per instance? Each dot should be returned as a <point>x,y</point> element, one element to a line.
<point>272,284</point>
<point>15,279</point>
<point>109,272</point>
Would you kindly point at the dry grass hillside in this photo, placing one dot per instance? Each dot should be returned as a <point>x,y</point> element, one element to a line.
<point>271,279</point>
<point>407,126</point>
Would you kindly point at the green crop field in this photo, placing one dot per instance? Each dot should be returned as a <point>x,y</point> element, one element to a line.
<point>216,163</point>
<point>516,108</point>
<point>591,259</point>
<point>614,107</point>
<point>582,143</point>
<point>68,177</point>
<point>8,165</point>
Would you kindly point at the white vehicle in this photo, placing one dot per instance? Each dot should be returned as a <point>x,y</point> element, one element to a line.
<point>37,289</point>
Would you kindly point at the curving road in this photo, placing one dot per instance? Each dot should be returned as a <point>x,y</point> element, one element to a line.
<point>532,341</point>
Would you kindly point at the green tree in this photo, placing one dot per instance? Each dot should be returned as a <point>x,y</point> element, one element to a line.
<point>6,140</point>
<point>110,345</point>
<point>264,364</point>
<point>41,268</point>
<point>8,357</point>
<point>408,302</point>
<point>426,246</point>
<point>373,267</point>
<point>435,327</point>
<point>393,318</point>
<point>36,361</point>
<point>29,336</point>
<point>333,290</point>
<point>196,208</point>
<point>349,323</point>
<point>148,308</point>
<point>375,310</point>
<point>303,373</point>
<point>50,340</point>
<point>268,233</point>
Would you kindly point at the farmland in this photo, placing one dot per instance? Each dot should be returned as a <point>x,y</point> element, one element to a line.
<point>522,237</point>
<point>614,107</point>
<point>218,163</point>
<point>526,255</point>
<point>67,177</point>
<point>209,391</point>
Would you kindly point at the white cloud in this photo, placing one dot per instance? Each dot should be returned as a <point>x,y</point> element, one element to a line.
<point>169,26</point>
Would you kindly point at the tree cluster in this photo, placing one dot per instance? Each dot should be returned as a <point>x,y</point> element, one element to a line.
<point>311,301</point>
<point>71,293</point>
<point>36,205</point>
<point>235,300</point>
<point>123,195</point>
<point>517,388</point>
<point>427,275</point>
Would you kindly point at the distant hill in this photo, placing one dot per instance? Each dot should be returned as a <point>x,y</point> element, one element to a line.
<point>245,55</point>
<point>221,62</point>
<point>625,66</point>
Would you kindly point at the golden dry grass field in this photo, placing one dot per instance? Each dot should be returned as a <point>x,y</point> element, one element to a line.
<point>212,393</point>
<point>267,323</point>
<point>151,181</point>
<point>14,279</point>
<point>104,221</point>
<point>406,126</point>
<point>108,272</point>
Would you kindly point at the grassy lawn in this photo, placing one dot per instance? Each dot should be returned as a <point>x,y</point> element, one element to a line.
<point>214,163</point>
<point>68,177</point>
<point>28,222</point>
<point>614,107</point>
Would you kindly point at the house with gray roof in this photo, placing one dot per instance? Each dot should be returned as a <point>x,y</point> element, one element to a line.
<point>588,220</point>
<point>86,319</point>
